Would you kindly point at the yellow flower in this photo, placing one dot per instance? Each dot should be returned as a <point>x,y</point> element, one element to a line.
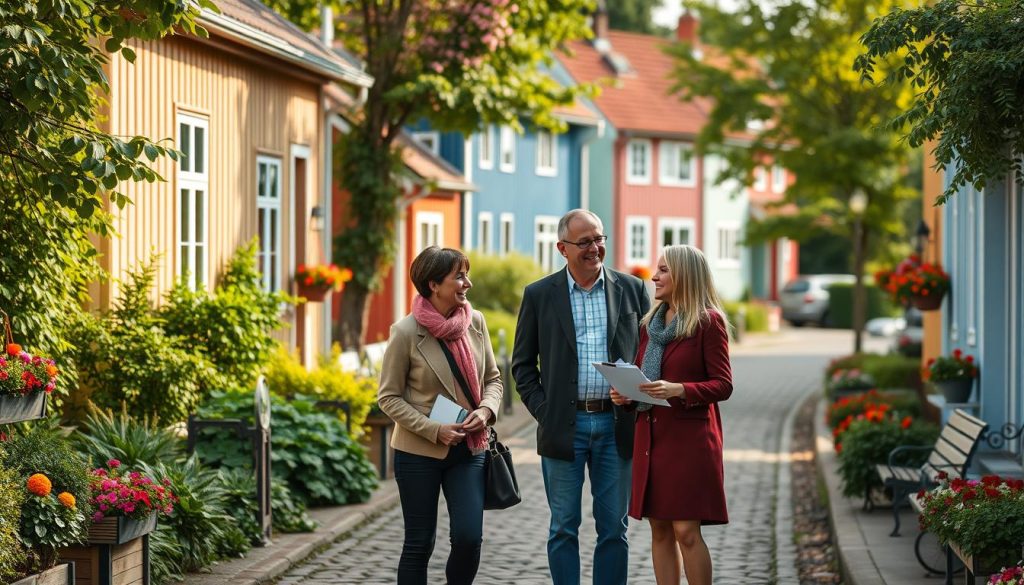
<point>39,485</point>
<point>67,499</point>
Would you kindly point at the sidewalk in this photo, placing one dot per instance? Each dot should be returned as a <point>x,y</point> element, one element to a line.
<point>868,555</point>
<point>264,564</point>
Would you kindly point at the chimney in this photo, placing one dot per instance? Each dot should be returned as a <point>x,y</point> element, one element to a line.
<point>686,30</point>
<point>326,25</point>
<point>600,25</point>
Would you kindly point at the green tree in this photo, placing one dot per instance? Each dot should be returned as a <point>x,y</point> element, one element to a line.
<point>458,64</point>
<point>784,79</point>
<point>964,61</point>
<point>56,165</point>
<point>632,15</point>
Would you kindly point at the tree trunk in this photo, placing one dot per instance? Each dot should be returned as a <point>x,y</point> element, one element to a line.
<point>859,301</point>
<point>355,313</point>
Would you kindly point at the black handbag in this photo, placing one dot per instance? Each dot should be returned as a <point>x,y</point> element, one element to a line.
<point>501,488</point>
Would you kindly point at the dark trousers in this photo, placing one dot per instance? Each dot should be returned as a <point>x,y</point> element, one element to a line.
<point>420,481</point>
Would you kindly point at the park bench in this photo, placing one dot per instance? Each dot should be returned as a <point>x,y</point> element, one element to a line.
<point>951,454</point>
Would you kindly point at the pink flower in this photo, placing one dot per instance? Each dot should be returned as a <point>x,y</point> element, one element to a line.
<point>113,463</point>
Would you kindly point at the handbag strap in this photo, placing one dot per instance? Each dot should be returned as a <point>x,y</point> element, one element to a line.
<point>458,374</point>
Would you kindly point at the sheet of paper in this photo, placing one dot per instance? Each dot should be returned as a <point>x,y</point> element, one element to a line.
<point>447,412</point>
<point>626,378</point>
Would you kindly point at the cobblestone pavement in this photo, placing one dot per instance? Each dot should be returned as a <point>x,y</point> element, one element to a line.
<point>770,379</point>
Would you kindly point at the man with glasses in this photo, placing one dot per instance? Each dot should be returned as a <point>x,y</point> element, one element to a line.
<point>581,314</point>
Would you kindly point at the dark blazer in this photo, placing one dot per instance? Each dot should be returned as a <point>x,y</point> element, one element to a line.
<point>544,360</point>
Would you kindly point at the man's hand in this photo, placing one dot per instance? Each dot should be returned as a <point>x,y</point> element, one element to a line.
<point>619,399</point>
<point>477,420</point>
<point>451,435</point>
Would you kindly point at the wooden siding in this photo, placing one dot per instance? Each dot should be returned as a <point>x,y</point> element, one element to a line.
<point>252,109</point>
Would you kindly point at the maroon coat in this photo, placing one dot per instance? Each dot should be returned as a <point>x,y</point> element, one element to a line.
<point>677,453</point>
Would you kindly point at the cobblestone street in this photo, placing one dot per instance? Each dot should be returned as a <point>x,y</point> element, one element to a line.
<point>771,377</point>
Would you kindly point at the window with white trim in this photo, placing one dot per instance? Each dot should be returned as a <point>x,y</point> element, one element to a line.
<point>778,178</point>
<point>268,220</point>
<point>547,153</point>
<point>678,165</point>
<point>487,147</point>
<point>431,140</point>
<point>505,236</point>
<point>545,240</point>
<point>638,162</point>
<point>638,239</point>
<point>760,179</point>
<point>193,200</point>
<point>728,244</point>
<point>675,231</point>
<point>507,149</point>
<point>485,231</point>
<point>429,229</point>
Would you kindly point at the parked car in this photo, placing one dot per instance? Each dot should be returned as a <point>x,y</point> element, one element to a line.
<point>885,326</point>
<point>805,298</point>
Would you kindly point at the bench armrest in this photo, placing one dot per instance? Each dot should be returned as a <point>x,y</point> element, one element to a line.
<point>895,453</point>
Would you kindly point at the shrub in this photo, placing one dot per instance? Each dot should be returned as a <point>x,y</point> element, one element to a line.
<point>105,436</point>
<point>49,520</point>
<point>868,441</point>
<point>840,304</point>
<point>498,281</point>
<point>847,362</point>
<point>893,371</point>
<point>43,448</point>
<point>757,317</point>
<point>289,514</point>
<point>900,403</point>
<point>852,379</point>
<point>12,494</point>
<point>497,320</point>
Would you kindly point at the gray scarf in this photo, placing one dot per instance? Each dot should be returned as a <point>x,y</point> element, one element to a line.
<point>658,336</point>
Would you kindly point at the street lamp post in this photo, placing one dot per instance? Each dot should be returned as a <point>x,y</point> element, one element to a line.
<point>921,238</point>
<point>858,205</point>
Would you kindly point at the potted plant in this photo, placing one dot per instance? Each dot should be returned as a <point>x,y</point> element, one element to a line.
<point>844,382</point>
<point>867,441</point>
<point>953,375</point>
<point>49,521</point>
<point>25,381</point>
<point>922,284</point>
<point>1008,576</point>
<point>314,282</point>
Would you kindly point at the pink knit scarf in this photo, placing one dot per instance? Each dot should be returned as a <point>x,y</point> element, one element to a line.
<point>452,332</point>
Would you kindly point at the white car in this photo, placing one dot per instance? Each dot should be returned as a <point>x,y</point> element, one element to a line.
<point>885,326</point>
<point>805,298</point>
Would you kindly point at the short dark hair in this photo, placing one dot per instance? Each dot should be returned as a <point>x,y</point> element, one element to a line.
<point>432,265</point>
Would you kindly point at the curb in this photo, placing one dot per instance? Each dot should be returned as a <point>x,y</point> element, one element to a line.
<point>785,547</point>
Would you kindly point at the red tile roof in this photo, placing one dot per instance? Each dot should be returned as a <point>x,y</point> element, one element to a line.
<point>637,101</point>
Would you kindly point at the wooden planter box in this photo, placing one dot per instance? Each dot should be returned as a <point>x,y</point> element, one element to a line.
<point>118,553</point>
<point>976,568</point>
<point>378,444</point>
<point>19,408</point>
<point>59,575</point>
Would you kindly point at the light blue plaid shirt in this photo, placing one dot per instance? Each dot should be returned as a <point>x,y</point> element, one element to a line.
<point>590,317</point>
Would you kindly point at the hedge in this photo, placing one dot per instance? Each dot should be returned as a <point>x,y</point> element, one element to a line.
<point>840,304</point>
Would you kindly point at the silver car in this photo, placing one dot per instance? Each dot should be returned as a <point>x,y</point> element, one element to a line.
<point>805,298</point>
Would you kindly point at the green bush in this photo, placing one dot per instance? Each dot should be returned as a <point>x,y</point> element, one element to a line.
<point>105,436</point>
<point>311,451</point>
<point>496,320</point>
<point>840,304</point>
<point>289,514</point>
<point>894,371</point>
<point>757,317</point>
<point>44,448</point>
<point>498,281</point>
<point>12,493</point>
<point>901,403</point>
<point>867,443</point>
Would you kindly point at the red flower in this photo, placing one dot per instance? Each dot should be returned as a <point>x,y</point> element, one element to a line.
<point>957,353</point>
<point>13,349</point>
<point>905,423</point>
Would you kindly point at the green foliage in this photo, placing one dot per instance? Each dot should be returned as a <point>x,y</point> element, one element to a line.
<point>166,556</point>
<point>12,493</point>
<point>900,403</point>
<point>499,281</point>
<point>840,304</point>
<point>287,377</point>
<point>984,518</point>
<point>133,442</point>
<point>867,443</point>
<point>963,61</point>
<point>46,524</point>
<point>289,514</point>
<point>311,451</point>
<point>755,315</point>
<point>44,448</point>
<point>894,371</point>
<point>497,320</point>
<point>231,326</point>
<point>632,15</point>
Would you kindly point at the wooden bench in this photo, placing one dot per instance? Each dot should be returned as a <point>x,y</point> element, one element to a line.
<point>951,454</point>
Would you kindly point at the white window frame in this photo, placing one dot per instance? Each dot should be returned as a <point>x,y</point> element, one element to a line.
<point>778,178</point>
<point>638,255</point>
<point>269,251</point>
<point>670,167</point>
<point>507,146</point>
<point>632,177</point>
<point>190,239</point>
<point>760,179</point>
<point>485,232</point>
<point>433,220</point>
<point>727,238</point>
<point>545,243</point>
<point>486,161</point>
<point>506,237</point>
<point>676,224</point>
<point>549,167</point>
<point>429,139</point>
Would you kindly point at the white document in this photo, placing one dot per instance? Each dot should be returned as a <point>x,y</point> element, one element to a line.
<point>626,379</point>
<point>447,412</point>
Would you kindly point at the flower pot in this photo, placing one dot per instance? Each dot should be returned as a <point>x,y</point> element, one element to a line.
<point>956,391</point>
<point>63,574</point>
<point>18,408</point>
<point>119,530</point>
<point>928,302</point>
<point>314,293</point>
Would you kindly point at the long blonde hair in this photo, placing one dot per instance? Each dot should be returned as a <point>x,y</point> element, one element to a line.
<point>694,296</point>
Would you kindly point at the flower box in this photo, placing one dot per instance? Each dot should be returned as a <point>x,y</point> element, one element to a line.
<point>314,293</point>
<point>111,564</point>
<point>119,530</point>
<point>63,574</point>
<point>15,408</point>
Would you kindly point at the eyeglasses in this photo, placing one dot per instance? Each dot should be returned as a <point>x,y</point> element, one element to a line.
<point>584,244</point>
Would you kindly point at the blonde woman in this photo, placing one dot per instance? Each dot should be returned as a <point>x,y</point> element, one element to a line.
<point>677,453</point>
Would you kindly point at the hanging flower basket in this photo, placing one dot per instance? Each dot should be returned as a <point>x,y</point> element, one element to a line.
<point>930,302</point>
<point>314,293</point>
<point>25,380</point>
<point>314,282</point>
<point>922,284</point>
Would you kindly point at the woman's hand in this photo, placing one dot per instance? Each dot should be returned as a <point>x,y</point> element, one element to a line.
<point>451,435</point>
<point>662,389</point>
<point>619,399</point>
<point>477,420</point>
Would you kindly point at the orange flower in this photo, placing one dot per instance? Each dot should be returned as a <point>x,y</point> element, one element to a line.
<point>51,370</point>
<point>39,485</point>
<point>13,349</point>
<point>67,499</point>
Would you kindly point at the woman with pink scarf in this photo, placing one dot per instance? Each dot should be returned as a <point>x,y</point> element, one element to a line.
<point>441,349</point>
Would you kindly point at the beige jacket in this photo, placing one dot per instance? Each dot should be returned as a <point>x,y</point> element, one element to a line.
<point>415,371</point>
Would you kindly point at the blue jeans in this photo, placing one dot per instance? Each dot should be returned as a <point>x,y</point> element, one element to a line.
<point>420,481</point>
<point>594,446</point>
